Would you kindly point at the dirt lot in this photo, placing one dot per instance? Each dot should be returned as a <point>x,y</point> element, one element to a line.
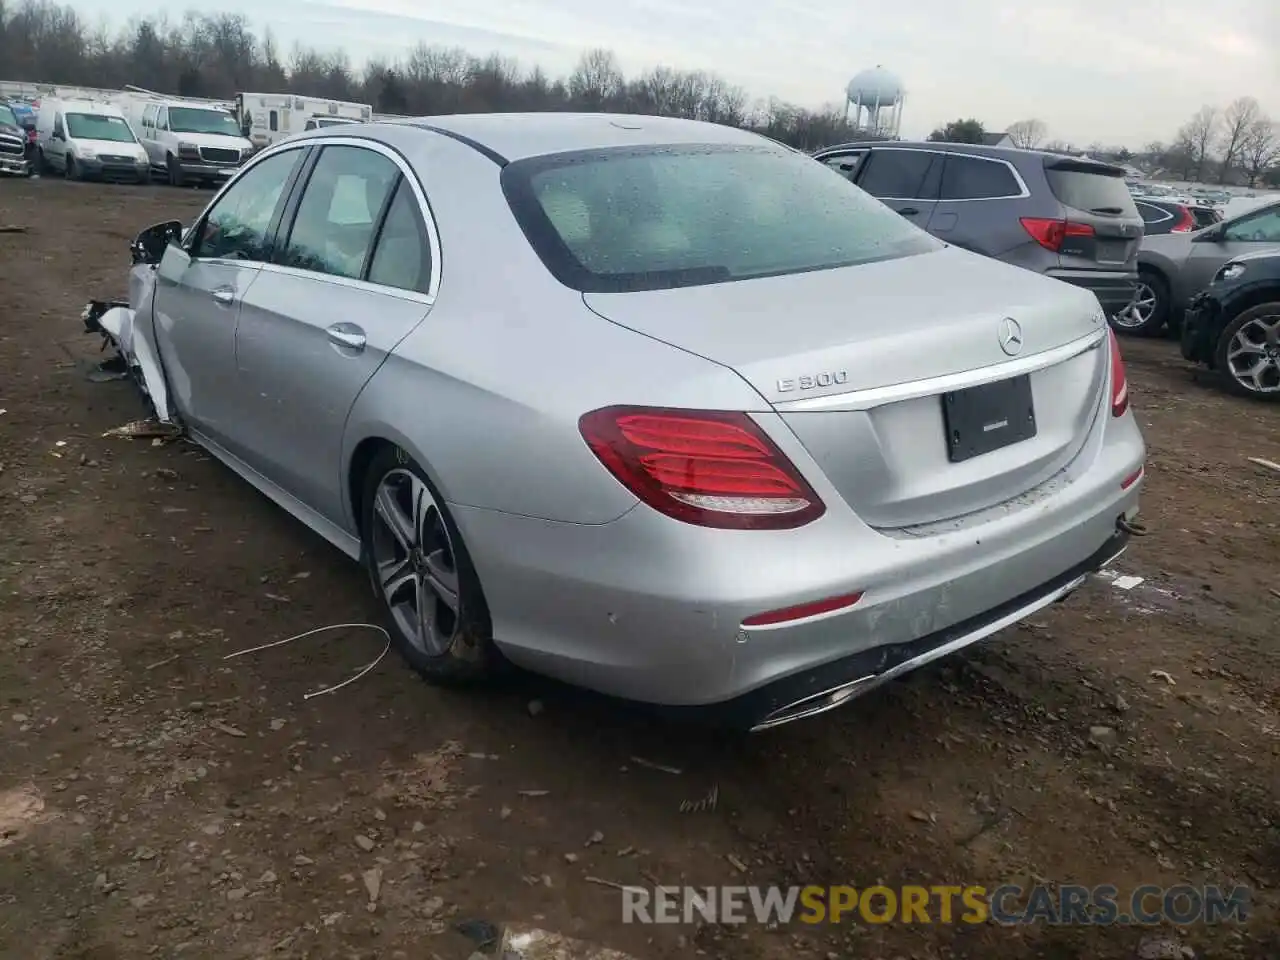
<point>158,800</point>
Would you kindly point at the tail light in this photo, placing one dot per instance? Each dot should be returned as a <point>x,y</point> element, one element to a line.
<point>708,468</point>
<point>1186,222</point>
<point>1119,382</point>
<point>1050,234</point>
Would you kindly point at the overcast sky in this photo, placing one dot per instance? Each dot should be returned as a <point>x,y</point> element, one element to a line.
<point>1122,73</point>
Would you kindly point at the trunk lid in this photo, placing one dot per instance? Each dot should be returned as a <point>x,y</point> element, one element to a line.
<point>1096,198</point>
<point>803,337</point>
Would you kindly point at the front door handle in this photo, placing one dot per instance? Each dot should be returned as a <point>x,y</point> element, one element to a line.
<point>225,296</point>
<point>909,211</point>
<point>347,335</point>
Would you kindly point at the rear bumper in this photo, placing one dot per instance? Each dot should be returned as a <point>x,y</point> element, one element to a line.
<point>1114,290</point>
<point>650,609</point>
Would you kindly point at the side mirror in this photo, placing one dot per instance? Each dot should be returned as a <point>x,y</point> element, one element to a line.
<point>149,246</point>
<point>1211,235</point>
<point>56,136</point>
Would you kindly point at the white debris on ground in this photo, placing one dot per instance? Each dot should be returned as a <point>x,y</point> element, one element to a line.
<point>1139,593</point>
<point>20,809</point>
<point>531,943</point>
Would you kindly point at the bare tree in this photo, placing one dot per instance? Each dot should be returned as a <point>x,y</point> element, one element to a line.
<point>1195,138</point>
<point>1238,120</point>
<point>1027,134</point>
<point>597,81</point>
<point>1260,149</point>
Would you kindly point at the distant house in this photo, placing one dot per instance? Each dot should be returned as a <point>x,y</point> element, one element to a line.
<point>1000,139</point>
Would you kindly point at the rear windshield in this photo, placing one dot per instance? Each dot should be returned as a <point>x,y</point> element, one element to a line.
<point>1089,190</point>
<point>654,218</point>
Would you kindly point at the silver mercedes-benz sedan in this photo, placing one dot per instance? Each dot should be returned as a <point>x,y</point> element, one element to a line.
<point>657,407</point>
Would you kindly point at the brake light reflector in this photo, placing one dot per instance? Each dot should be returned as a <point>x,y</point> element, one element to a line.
<point>802,611</point>
<point>1186,222</point>
<point>1119,382</point>
<point>1050,234</point>
<point>705,467</point>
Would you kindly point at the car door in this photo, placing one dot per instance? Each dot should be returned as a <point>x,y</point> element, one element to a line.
<point>905,179</point>
<point>149,132</point>
<point>351,280</point>
<point>199,291</point>
<point>1213,247</point>
<point>977,204</point>
<point>56,149</point>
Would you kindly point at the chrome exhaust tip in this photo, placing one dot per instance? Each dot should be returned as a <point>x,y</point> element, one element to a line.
<point>817,703</point>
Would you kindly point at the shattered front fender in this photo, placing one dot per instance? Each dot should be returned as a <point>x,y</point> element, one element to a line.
<point>127,325</point>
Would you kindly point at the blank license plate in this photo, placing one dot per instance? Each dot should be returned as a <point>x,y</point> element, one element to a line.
<point>1111,251</point>
<point>986,418</point>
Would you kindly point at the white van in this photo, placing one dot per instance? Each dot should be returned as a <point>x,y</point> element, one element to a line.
<point>85,139</point>
<point>188,142</point>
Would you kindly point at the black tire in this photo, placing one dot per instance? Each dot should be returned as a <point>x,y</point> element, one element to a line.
<point>175,171</point>
<point>1154,322</point>
<point>41,163</point>
<point>471,655</point>
<point>69,169</point>
<point>1222,365</point>
<point>144,179</point>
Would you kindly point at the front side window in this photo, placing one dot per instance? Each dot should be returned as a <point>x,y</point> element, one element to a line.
<point>333,229</point>
<point>94,126</point>
<point>650,218</point>
<point>202,120</point>
<point>57,125</point>
<point>149,117</point>
<point>972,178</point>
<point>896,174</point>
<point>237,227</point>
<point>1261,227</point>
<point>273,120</point>
<point>7,117</point>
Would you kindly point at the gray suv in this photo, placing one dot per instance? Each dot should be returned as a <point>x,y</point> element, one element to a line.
<point>1066,217</point>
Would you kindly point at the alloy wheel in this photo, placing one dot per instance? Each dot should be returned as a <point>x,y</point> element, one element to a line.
<point>414,562</point>
<point>1253,355</point>
<point>1137,314</point>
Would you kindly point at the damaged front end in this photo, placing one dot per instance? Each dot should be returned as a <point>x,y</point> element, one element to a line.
<point>128,326</point>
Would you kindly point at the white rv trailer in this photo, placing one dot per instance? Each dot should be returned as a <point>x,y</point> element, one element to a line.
<point>268,117</point>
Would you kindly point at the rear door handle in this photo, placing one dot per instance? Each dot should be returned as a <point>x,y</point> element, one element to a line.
<point>225,296</point>
<point>909,211</point>
<point>347,335</point>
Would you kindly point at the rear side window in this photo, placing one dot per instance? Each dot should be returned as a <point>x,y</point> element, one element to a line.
<point>402,258</point>
<point>1150,213</point>
<point>1093,190</point>
<point>658,217</point>
<point>845,164</point>
<point>972,178</point>
<point>896,174</point>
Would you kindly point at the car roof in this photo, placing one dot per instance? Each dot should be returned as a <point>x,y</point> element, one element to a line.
<point>514,136</point>
<point>89,106</point>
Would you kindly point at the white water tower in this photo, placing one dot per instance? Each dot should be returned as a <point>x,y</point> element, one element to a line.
<point>873,102</point>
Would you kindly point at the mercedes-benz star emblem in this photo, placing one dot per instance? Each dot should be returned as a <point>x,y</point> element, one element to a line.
<point>1010,336</point>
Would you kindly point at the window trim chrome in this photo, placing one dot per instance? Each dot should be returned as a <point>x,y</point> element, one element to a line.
<point>1022,184</point>
<point>322,140</point>
<point>867,399</point>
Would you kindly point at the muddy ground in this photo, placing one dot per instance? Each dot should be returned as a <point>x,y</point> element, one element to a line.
<point>159,800</point>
